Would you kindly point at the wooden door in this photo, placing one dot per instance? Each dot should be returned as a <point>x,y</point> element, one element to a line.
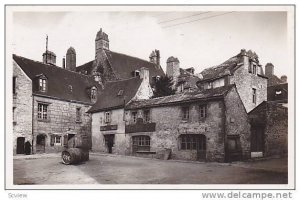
<point>20,145</point>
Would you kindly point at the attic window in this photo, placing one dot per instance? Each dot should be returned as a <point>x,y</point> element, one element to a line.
<point>136,73</point>
<point>42,84</point>
<point>94,93</point>
<point>120,93</point>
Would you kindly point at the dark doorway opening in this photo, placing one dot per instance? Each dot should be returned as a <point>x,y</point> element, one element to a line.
<point>27,148</point>
<point>40,143</point>
<point>257,139</point>
<point>109,142</point>
<point>20,145</point>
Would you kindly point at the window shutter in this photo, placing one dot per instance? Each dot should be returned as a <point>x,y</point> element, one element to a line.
<point>65,140</point>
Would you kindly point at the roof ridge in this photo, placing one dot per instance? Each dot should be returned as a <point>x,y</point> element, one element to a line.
<point>123,79</point>
<point>131,56</point>
<point>52,66</point>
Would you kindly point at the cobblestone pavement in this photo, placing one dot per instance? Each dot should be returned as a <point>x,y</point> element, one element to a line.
<point>113,169</point>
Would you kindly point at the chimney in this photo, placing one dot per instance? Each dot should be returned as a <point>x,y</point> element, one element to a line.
<point>64,63</point>
<point>283,78</point>
<point>144,74</point>
<point>49,57</point>
<point>155,57</point>
<point>269,70</point>
<point>71,59</point>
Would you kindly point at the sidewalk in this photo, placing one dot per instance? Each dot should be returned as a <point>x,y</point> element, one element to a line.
<point>36,156</point>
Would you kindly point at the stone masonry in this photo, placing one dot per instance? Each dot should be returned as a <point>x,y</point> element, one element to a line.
<point>22,105</point>
<point>62,120</point>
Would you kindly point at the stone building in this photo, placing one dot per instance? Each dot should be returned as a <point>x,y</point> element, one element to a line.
<point>269,129</point>
<point>207,125</point>
<point>243,70</point>
<point>108,125</point>
<point>183,79</point>
<point>111,66</point>
<point>49,104</point>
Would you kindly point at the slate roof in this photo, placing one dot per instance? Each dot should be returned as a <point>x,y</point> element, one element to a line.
<point>282,96</point>
<point>88,67</point>
<point>59,80</point>
<point>123,65</point>
<point>180,98</point>
<point>190,79</point>
<point>273,80</point>
<point>109,98</point>
<point>226,68</point>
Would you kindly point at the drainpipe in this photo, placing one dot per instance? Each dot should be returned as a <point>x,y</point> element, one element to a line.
<point>226,156</point>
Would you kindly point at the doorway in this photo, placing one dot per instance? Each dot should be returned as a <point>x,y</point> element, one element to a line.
<point>195,142</point>
<point>257,139</point>
<point>109,141</point>
<point>20,145</point>
<point>40,143</point>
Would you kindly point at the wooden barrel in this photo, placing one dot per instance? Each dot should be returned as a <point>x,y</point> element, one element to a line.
<point>74,155</point>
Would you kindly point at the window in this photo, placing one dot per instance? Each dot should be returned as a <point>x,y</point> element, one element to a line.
<point>14,115</point>
<point>185,112</point>
<point>209,86</point>
<point>43,111</point>
<point>254,69</point>
<point>55,140</point>
<point>93,93</point>
<point>141,143</point>
<point>134,116</point>
<point>192,142</point>
<point>202,111</point>
<point>253,95</point>
<point>42,84</point>
<point>107,117</point>
<point>14,85</point>
<point>78,114</point>
<point>146,116</point>
<point>136,73</point>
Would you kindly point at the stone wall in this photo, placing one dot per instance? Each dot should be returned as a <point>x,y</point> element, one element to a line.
<point>237,122</point>
<point>245,81</point>
<point>170,125</point>
<point>22,103</point>
<point>120,140</point>
<point>276,131</point>
<point>62,120</point>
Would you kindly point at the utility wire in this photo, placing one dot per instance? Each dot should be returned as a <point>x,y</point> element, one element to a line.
<point>182,17</point>
<point>197,19</point>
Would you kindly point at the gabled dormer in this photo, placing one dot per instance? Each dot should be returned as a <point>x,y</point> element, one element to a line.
<point>41,83</point>
<point>93,93</point>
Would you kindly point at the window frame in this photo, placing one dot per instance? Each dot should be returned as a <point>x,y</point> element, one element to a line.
<point>78,114</point>
<point>54,140</point>
<point>185,115</point>
<point>107,117</point>
<point>202,108</point>
<point>146,116</point>
<point>254,95</point>
<point>43,112</point>
<point>42,84</point>
<point>93,93</point>
<point>134,116</point>
<point>14,85</point>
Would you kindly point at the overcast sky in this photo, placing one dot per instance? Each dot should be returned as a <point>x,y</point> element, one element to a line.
<point>197,39</point>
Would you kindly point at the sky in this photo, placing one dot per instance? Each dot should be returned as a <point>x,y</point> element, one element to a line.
<point>199,39</point>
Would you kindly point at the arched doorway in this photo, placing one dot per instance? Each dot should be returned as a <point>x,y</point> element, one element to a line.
<point>20,145</point>
<point>40,143</point>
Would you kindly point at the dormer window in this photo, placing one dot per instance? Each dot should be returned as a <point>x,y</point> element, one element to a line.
<point>94,94</point>
<point>42,81</point>
<point>136,73</point>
